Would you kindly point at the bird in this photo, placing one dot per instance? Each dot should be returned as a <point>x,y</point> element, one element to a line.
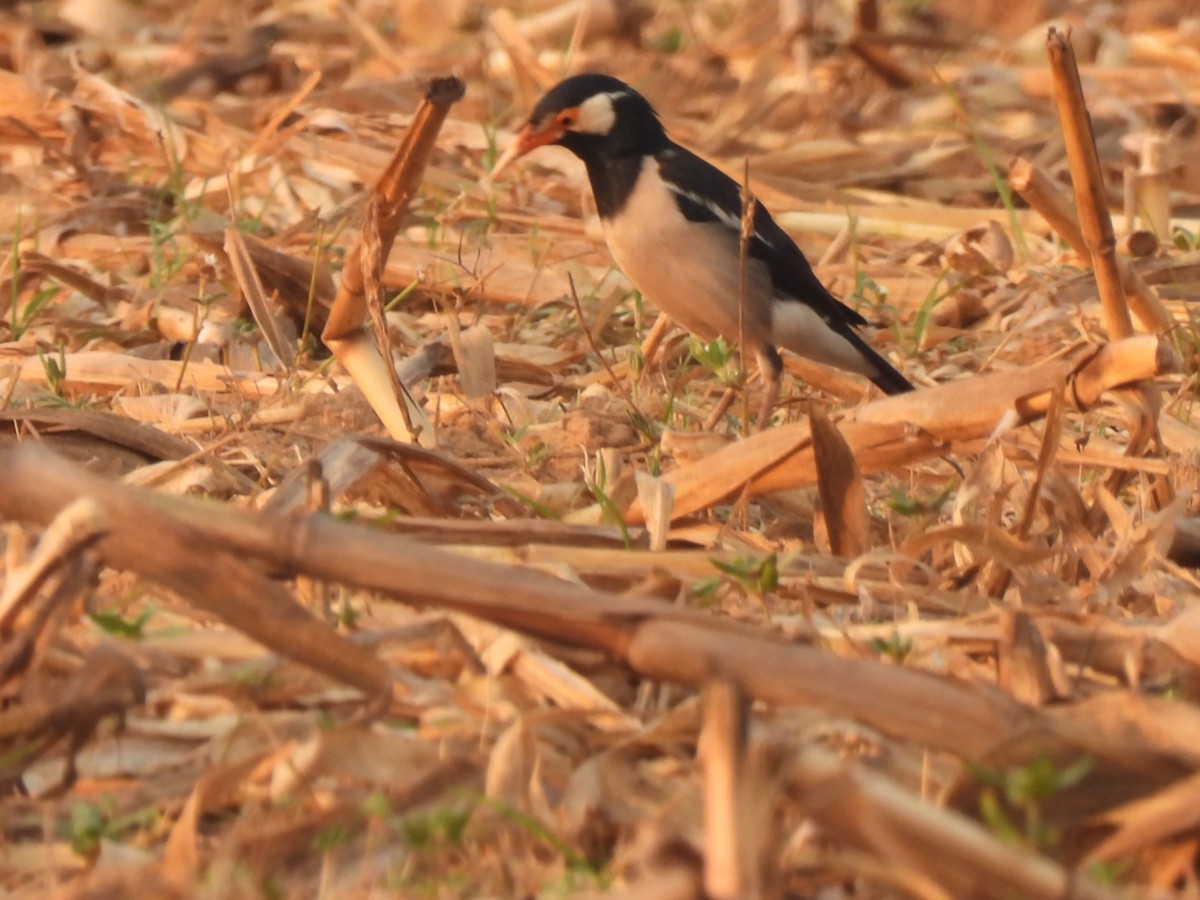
<point>673,224</point>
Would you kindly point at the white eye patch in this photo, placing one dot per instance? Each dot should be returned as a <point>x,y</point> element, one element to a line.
<point>598,114</point>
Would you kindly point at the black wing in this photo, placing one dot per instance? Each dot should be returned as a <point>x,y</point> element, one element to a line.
<point>712,196</point>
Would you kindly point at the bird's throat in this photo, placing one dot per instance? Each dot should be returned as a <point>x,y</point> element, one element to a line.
<point>613,180</point>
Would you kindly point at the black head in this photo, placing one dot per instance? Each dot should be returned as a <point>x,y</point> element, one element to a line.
<point>594,116</point>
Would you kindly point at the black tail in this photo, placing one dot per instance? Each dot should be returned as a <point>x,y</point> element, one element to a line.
<point>886,378</point>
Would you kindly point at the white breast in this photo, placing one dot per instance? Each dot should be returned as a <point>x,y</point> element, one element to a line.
<point>688,270</point>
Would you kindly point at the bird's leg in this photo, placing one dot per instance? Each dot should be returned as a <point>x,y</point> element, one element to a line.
<point>770,364</point>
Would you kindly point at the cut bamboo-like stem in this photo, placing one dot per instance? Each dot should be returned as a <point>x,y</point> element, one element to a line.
<point>1095,222</point>
<point>360,357</point>
<point>1041,193</point>
<point>1153,187</point>
<point>1141,244</point>
<point>1094,219</point>
<point>345,332</point>
<point>728,872</point>
<point>1129,191</point>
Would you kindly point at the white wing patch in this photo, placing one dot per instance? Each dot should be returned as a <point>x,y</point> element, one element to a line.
<point>724,216</point>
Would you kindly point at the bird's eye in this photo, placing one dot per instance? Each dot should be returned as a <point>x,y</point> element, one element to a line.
<point>566,118</point>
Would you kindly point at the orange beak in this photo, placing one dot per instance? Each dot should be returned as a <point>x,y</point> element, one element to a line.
<point>534,136</point>
<point>531,137</point>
